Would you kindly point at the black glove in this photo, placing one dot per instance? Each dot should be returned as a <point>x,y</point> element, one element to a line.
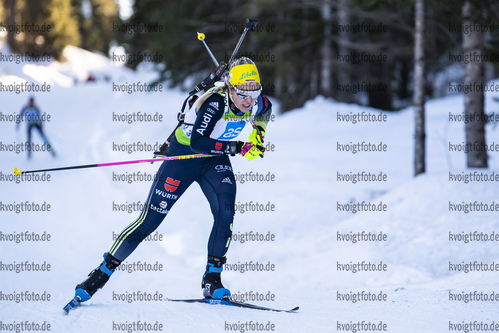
<point>234,147</point>
<point>163,150</point>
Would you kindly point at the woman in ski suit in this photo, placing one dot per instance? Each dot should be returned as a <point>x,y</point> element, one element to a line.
<point>211,127</point>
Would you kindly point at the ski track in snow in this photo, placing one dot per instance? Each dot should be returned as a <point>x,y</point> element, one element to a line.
<point>305,222</point>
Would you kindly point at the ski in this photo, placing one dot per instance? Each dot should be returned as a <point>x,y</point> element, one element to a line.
<point>73,304</point>
<point>229,302</point>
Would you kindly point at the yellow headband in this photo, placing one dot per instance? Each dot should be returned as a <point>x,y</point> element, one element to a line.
<point>244,74</point>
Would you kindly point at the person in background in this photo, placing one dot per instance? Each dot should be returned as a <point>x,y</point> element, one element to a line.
<point>33,117</point>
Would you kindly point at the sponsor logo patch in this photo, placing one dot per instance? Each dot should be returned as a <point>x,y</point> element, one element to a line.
<point>171,184</point>
<point>223,168</point>
<point>215,105</point>
<point>226,180</point>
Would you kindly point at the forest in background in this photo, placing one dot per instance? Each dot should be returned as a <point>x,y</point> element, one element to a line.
<point>303,48</point>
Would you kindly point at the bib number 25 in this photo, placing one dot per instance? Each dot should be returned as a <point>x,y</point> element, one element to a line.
<point>231,131</point>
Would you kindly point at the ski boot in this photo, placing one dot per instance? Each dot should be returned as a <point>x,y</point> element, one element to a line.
<point>212,282</point>
<point>97,278</point>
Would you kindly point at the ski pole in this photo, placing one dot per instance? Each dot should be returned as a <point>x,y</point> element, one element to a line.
<point>250,25</point>
<point>18,172</point>
<point>201,38</point>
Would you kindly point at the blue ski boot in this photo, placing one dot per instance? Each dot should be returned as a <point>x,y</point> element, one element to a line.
<point>212,282</point>
<point>97,278</point>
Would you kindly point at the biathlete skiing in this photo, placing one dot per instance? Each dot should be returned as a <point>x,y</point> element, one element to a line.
<point>212,126</point>
<point>33,117</point>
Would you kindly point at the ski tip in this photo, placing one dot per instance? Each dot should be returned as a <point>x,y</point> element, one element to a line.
<point>17,172</point>
<point>73,304</point>
<point>66,309</point>
<point>294,309</point>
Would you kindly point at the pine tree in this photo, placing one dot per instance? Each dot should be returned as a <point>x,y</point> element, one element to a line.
<point>64,27</point>
<point>473,43</point>
<point>2,11</point>
<point>54,26</point>
<point>98,28</point>
<point>419,90</point>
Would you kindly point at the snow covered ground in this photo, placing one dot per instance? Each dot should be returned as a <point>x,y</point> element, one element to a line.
<point>313,244</point>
